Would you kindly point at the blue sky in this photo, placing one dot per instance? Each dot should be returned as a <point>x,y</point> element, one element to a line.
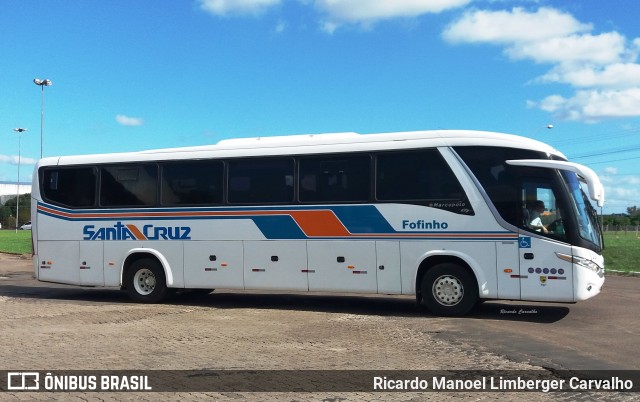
<point>134,75</point>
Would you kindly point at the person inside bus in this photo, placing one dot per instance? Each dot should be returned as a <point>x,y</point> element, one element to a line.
<point>536,221</point>
<point>556,227</point>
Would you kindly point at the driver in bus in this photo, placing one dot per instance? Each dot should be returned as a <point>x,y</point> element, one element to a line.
<point>536,220</point>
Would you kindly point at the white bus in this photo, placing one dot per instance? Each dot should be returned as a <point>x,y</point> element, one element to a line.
<point>454,217</point>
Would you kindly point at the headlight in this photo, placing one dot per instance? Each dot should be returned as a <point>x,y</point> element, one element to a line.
<point>583,262</point>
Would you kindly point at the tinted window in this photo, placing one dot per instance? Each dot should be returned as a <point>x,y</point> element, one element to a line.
<point>501,182</point>
<point>72,187</point>
<point>340,178</point>
<point>191,183</point>
<point>260,181</point>
<point>542,211</point>
<point>422,177</point>
<point>128,185</point>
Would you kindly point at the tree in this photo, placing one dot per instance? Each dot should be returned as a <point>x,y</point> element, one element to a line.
<point>634,215</point>
<point>8,211</point>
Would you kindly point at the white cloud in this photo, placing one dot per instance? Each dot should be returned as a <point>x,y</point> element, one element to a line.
<point>13,160</point>
<point>593,105</point>
<point>281,26</point>
<point>236,7</point>
<point>515,26</point>
<point>622,191</point>
<point>596,49</point>
<point>633,180</point>
<point>129,121</point>
<point>617,75</point>
<point>601,68</point>
<point>544,36</point>
<point>622,195</point>
<point>625,188</point>
<point>373,10</point>
<point>367,12</point>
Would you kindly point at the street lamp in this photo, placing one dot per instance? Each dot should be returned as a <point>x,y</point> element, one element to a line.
<point>42,84</point>
<point>18,130</point>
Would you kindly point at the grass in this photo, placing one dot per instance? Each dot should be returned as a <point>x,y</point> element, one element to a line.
<point>15,243</point>
<point>622,249</point>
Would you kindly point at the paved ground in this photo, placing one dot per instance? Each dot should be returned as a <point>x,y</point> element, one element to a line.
<point>56,327</point>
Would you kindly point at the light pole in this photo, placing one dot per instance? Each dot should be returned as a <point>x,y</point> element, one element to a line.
<point>18,130</point>
<point>42,84</point>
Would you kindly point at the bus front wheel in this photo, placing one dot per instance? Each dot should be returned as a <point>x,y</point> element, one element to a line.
<point>145,281</point>
<point>449,290</point>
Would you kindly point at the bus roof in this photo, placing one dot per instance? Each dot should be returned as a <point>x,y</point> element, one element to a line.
<point>316,144</point>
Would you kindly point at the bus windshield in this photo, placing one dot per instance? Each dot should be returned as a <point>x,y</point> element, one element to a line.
<point>586,215</point>
<point>536,194</point>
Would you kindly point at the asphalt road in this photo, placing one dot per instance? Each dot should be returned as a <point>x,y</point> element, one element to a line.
<point>600,333</point>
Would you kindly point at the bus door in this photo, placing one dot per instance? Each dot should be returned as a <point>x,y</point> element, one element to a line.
<point>543,276</point>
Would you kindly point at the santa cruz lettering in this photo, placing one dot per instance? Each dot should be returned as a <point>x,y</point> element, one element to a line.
<point>121,231</point>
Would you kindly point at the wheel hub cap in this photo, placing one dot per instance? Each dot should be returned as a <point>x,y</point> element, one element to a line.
<point>144,281</point>
<point>448,290</point>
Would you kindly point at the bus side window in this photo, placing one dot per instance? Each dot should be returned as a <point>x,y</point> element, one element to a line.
<point>260,181</point>
<point>71,187</point>
<point>128,185</point>
<point>422,178</point>
<point>343,178</point>
<point>191,183</point>
<point>500,181</point>
<point>542,213</point>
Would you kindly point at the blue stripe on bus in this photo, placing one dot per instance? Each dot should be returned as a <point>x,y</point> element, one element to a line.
<point>362,221</point>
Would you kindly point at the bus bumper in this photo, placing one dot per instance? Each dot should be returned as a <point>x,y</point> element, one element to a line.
<point>587,283</point>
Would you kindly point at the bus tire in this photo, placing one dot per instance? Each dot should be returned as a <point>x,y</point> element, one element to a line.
<point>449,290</point>
<point>145,281</point>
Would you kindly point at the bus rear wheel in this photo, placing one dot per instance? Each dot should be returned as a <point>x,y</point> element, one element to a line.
<point>145,281</point>
<point>449,290</point>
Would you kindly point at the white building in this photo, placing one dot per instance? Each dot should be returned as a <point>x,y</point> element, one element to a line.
<point>9,189</point>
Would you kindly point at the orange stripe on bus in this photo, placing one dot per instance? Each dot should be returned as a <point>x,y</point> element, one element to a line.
<point>136,232</point>
<point>320,224</point>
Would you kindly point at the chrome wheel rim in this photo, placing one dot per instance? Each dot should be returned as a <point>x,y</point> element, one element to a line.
<point>144,281</point>
<point>448,290</point>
